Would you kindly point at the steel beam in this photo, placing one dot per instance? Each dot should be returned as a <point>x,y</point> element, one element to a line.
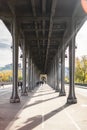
<point>25,29</point>
<point>50,28</point>
<point>43,12</point>
<point>34,13</point>
<point>11,7</point>
<point>43,38</point>
<point>29,19</point>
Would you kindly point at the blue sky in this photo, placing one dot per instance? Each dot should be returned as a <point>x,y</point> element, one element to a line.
<point>6,42</point>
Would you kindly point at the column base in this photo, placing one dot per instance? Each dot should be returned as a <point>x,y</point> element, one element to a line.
<point>62,94</point>
<point>29,90</point>
<point>15,100</point>
<point>53,88</point>
<point>24,94</point>
<point>71,100</point>
<point>57,90</point>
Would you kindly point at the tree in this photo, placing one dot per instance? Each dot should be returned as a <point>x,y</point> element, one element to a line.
<point>84,68</point>
<point>81,70</point>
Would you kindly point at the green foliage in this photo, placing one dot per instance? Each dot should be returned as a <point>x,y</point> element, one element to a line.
<point>66,79</point>
<point>81,70</point>
<point>6,76</point>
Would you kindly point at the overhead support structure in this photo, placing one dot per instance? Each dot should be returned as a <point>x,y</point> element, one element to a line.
<point>27,19</point>
<point>36,28</point>
<point>50,28</point>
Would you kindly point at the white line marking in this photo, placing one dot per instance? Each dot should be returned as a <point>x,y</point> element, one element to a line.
<point>70,117</point>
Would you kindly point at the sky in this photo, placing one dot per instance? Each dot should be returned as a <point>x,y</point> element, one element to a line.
<point>81,43</point>
<point>5,45</point>
<point>6,42</point>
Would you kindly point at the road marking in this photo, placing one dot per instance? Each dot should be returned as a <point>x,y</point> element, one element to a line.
<point>70,117</point>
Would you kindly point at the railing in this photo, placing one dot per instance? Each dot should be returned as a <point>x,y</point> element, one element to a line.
<point>4,83</point>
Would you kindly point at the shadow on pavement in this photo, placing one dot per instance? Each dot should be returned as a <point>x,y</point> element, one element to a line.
<point>37,120</point>
<point>43,94</point>
<point>40,101</point>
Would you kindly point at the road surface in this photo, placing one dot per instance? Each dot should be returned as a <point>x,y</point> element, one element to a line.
<point>44,110</point>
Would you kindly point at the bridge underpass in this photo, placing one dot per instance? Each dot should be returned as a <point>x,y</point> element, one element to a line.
<point>43,29</point>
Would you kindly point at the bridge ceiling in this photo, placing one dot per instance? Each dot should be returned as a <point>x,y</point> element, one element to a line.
<point>43,23</point>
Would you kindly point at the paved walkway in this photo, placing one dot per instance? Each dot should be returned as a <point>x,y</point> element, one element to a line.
<point>43,109</point>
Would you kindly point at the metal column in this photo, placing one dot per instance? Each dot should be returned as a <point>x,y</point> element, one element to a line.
<point>57,66</point>
<point>55,73</point>
<point>31,87</point>
<point>28,71</point>
<point>15,98</point>
<point>62,91</point>
<point>71,98</point>
<point>24,93</point>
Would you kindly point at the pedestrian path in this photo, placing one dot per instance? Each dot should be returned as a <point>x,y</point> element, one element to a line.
<point>47,111</point>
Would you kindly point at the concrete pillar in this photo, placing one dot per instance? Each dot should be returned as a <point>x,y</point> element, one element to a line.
<point>15,98</point>
<point>62,91</point>
<point>24,92</point>
<point>71,98</point>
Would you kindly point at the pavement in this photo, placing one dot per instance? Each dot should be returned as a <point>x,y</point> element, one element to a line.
<point>43,109</point>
